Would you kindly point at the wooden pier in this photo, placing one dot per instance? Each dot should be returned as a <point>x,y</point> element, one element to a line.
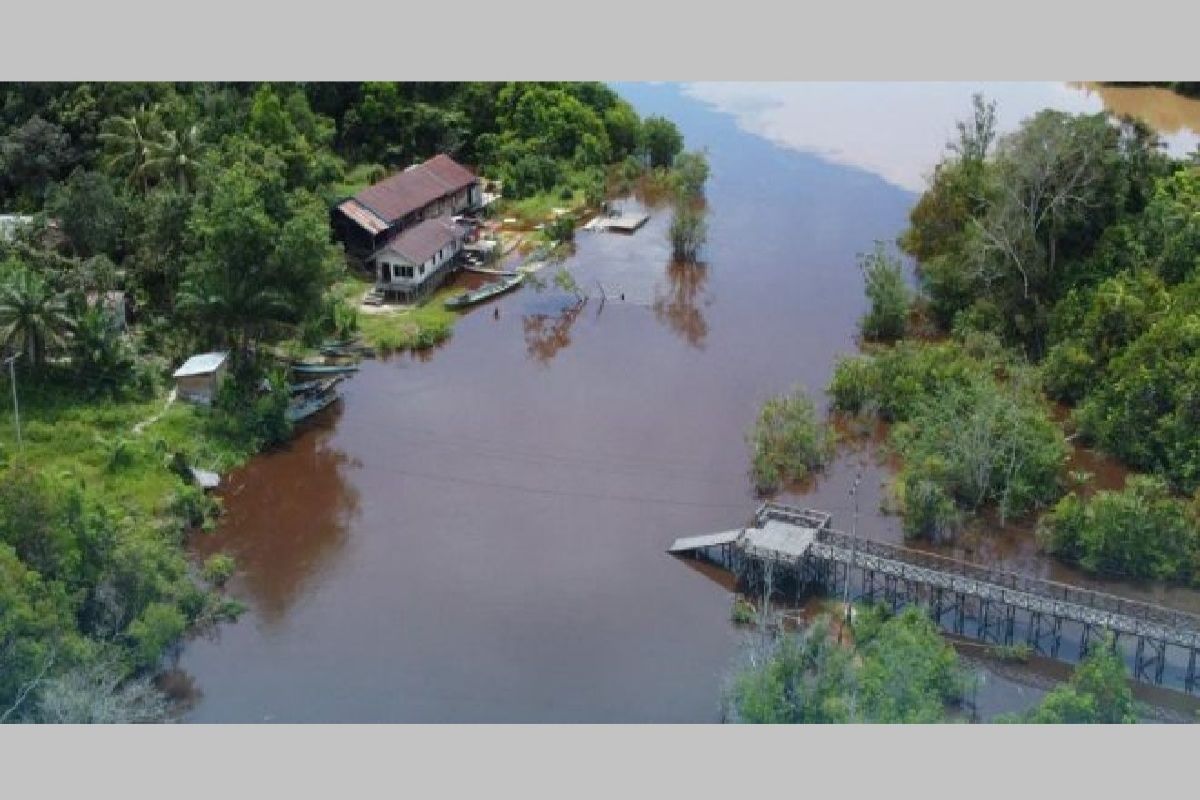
<point>625,223</point>
<point>994,606</point>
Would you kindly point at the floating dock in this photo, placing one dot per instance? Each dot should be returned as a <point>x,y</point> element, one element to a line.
<point>625,223</point>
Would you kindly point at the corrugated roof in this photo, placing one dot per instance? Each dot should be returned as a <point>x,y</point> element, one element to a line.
<point>418,244</point>
<point>364,217</point>
<point>414,188</point>
<point>201,364</point>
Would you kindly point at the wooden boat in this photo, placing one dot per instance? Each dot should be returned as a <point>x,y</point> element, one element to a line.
<point>485,292</point>
<point>305,368</point>
<point>306,405</point>
<point>318,385</point>
<point>347,350</point>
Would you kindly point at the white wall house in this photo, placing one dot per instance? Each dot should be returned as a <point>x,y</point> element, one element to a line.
<point>418,260</point>
<point>199,378</point>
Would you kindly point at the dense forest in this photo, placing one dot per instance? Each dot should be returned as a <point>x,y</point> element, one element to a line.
<point>207,206</point>
<point>1059,275</point>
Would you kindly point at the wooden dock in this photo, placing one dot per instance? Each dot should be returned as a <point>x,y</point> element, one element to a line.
<point>995,606</point>
<point>625,223</point>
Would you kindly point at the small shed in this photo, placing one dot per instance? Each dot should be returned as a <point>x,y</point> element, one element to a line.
<point>200,376</point>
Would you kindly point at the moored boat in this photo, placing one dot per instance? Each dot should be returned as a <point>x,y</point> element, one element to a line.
<point>305,368</point>
<point>484,292</point>
<point>308,404</point>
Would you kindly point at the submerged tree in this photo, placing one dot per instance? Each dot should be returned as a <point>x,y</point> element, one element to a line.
<point>688,231</point>
<point>888,293</point>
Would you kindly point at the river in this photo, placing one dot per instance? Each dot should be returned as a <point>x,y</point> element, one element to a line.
<point>477,533</point>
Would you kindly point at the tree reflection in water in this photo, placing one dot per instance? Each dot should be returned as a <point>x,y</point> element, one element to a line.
<point>681,306</point>
<point>291,519</point>
<point>546,334</point>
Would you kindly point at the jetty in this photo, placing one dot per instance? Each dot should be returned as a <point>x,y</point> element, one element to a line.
<point>789,547</point>
<point>624,223</point>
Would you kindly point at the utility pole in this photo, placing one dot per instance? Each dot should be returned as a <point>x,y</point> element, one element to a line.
<point>853,545</point>
<point>11,361</point>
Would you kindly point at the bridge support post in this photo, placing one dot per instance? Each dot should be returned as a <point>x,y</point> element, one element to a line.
<point>1189,682</point>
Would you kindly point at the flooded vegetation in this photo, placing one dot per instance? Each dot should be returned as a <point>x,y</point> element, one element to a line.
<point>476,533</point>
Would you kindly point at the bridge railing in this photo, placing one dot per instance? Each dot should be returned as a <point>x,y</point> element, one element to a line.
<point>805,517</point>
<point>1101,601</point>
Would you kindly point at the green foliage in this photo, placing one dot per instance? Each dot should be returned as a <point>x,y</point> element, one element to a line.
<point>33,318</point>
<point>90,212</point>
<point>688,230</point>
<point>788,441</point>
<point>561,228</point>
<point>662,139</point>
<point>888,293</point>
<point>1144,409</point>
<point>898,670</point>
<point>690,173</point>
<point>156,629</point>
<point>1098,692</point>
<point>249,411</point>
<point>264,257</point>
<point>983,445</point>
<point>1140,531</point>
<point>219,568</point>
<point>742,612</point>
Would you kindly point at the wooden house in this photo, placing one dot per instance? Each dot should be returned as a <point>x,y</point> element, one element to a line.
<point>418,260</point>
<point>370,220</point>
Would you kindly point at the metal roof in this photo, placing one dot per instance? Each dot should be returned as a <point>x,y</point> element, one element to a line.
<point>416,187</point>
<point>364,217</point>
<point>201,364</point>
<point>419,243</point>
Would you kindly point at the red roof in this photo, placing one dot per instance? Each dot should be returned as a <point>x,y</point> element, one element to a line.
<point>414,188</point>
<point>419,243</point>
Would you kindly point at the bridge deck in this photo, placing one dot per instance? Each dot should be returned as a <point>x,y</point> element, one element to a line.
<point>795,536</point>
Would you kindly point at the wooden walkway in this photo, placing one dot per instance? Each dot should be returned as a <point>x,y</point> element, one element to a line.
<point>997,604</point>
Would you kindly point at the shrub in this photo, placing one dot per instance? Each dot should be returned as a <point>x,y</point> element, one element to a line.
<point>218,568</point>
<point>888,294</point>
<point>158,626</point>
<point>1140,531</point>
<point>788,441</point>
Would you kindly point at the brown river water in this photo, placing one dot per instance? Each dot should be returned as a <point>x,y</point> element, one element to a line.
<point>477,534</point>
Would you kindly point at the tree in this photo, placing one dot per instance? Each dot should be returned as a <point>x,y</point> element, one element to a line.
<point>90,213</point>
<point>788,442</point>
<point>96,694</point>
<point>128,145</point>
<point>1098,692</point>
<point>688,230</point>
<point>32,156</point>
<point>32,317</point>
<point>690,174</point>
<point>663,140</point>
<point>888,293</point>
<point>1140,531</point>
<point>263,259</point>
<point>175,156</point>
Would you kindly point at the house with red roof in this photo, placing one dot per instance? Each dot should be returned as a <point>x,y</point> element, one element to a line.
<point>401,227</point>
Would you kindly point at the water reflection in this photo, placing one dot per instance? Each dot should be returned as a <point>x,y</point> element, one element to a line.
<point>291,517</point>
<point>548,333</point>
<point>681,306</point>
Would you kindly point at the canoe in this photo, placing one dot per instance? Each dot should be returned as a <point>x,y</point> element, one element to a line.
<point>484,292</point>
<point>347,351</point>
<point>318,385</point>
<point>323,369</point>
<point>310,404</point>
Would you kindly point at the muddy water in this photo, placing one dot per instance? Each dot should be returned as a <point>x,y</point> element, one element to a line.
<point>478,534</point>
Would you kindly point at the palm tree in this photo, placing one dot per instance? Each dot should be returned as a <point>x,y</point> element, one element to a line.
<point>127,144</point>
<point>233,303</point>
<point>32,317</point>
<point>175,155</point>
